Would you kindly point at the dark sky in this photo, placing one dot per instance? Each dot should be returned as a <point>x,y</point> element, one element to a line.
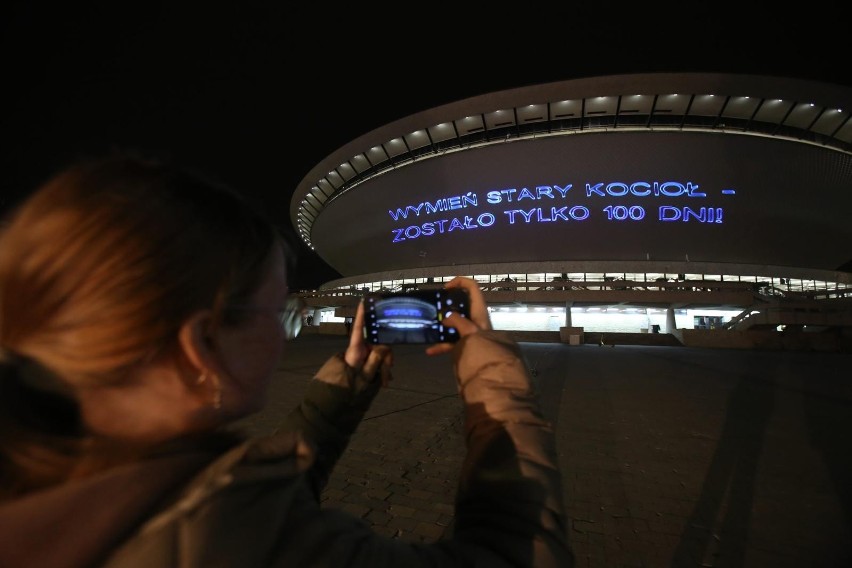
<point>258,96</point>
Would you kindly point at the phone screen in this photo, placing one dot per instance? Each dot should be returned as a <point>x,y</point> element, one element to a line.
<point>413,317</point>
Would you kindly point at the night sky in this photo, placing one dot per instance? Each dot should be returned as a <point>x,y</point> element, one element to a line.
<point>258,96</point>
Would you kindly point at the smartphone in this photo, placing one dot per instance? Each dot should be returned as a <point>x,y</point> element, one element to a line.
<point>413,317</point>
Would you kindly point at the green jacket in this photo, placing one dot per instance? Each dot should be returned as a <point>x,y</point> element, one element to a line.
<point>257,504</point>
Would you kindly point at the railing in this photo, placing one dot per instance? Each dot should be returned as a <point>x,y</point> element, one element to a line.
<point>556,289</point>
<point>761,290</point>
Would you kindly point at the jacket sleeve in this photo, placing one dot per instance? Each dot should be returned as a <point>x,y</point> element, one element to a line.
<point>509,500</point>
<point>334,404</point>
<point>509,509</point>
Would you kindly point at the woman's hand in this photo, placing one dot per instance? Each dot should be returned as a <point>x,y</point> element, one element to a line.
<point>478,320</point>
<point>369,359</point>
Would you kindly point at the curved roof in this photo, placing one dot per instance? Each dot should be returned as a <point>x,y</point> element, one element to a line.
<point>784,144</point>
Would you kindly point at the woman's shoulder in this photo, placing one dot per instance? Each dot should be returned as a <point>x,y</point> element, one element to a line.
<point>274,458</point>
<point>247,490</point>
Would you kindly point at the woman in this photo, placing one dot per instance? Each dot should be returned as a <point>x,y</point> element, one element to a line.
<point>143,310</point>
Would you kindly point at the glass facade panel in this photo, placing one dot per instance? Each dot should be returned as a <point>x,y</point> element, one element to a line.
<point>625,316</point>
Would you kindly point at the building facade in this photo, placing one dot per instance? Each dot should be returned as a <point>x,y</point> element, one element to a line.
<point>656,178</point>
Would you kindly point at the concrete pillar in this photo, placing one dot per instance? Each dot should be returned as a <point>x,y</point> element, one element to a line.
<point>317,316</point>
<point>671,326</point>
<point>647,325</point>
<point>568,313</point>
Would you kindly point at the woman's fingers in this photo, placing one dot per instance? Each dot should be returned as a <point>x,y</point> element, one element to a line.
<point>357,350</point>
<point>380,357</point>
<point>357,334</point>
<point>478,307</point>
<point>385,371</point>
<point>463,325</point>
<point>369,359</point>
<point>439,348</point>
<point>478,320</point>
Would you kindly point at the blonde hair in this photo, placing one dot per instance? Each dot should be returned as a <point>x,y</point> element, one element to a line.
<point>102,264</point>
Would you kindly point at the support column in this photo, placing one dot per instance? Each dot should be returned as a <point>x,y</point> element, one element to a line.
<point>671,325</point>
<point>568,333</point>
<point>317,316</point>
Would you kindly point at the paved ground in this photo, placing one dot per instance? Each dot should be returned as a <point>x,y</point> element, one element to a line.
<point>671,456</point>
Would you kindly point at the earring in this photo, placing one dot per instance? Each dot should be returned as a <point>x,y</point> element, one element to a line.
<point>217,393</point>
<point>217,397</point>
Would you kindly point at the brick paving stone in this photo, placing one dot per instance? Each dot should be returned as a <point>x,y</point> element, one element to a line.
<point>403,523</point>
<point>446,508</point>
<point>380,494</point>
<point>430,531</point>
<point>401,511</point>
<point>403,499</point>
<point>337,483</point>
<point>355,509</point>
<point>377,518</point>
<point>333,493</point>
<point>359,481</point>
<point>397,489</point>
<point>421,494</point>
<point>356,498</point>
<point>387,531</point>
<point>426,516</point>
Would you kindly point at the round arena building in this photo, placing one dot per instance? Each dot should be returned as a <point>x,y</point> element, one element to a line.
<point>699,201</point>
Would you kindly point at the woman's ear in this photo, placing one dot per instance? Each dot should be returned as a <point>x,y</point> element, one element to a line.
<point>201,368</point>
<point>197,345</point>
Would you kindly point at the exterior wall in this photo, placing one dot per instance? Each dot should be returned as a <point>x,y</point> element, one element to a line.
<point>737,199</point>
